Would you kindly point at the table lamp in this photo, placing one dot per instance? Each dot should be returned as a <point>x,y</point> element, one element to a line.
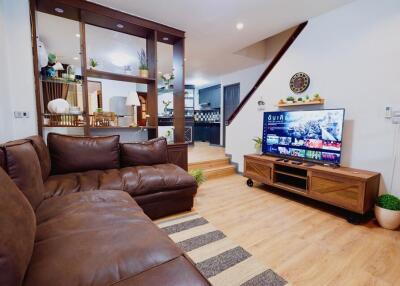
<point>133,100</point>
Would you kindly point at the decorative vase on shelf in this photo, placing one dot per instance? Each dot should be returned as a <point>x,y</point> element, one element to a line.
<point>143,73</point>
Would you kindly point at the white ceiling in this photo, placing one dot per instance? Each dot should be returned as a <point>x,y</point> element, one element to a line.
<point>212,39</point>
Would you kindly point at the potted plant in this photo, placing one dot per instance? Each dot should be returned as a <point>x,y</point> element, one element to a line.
<point>290,99</point>
<point>258,145</point>
<point>387,211</point>
<point>93,63</point>
<point>169,135</point>
<point>166,104</point>
<point>143,68</point>
<point>198,176</point>
<point>167,77</point>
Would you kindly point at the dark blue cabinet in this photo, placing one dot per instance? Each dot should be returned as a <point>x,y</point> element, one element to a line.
<point>207,132</point>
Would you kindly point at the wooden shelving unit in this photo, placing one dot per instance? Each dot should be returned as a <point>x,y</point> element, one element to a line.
<point>118,77</point>
<point>88,13</point>
<point>321,102</point>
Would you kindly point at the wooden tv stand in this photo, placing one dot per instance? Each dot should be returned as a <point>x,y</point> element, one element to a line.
<point>347,188</point>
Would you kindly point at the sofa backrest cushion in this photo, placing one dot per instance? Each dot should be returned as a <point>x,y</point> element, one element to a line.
<point>23,167</point>
<point>144,153</point>
<point>71,154</point>
<point>43,154</point>
<point>17,232</point>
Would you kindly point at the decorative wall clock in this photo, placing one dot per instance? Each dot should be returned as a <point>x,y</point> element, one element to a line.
<point>299,82</point>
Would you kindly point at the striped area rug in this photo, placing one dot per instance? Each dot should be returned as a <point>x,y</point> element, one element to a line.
<point>223,262</point>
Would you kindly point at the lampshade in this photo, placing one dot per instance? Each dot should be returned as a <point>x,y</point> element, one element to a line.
<point>132,99</point>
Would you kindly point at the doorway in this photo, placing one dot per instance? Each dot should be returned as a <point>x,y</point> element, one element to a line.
<point>231,102</point>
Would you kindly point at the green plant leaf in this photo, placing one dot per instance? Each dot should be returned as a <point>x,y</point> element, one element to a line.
<point>389,202</point>
<point>198,176</point>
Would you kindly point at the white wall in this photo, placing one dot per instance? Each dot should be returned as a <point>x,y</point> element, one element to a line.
<point>17,82</point>
<point>352,57</point>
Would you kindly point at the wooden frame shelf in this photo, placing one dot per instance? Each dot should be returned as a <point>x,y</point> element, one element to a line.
<point>122,127</point>
<point>88,13</point>
<point>322,102</point>
<point>119,77</point>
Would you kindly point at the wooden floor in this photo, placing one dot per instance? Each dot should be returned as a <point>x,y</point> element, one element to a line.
<point>203,151</point>
<point>302,243</point>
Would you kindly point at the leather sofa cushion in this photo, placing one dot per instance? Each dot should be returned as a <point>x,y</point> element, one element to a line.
<point>43,154</point>
<point>95,238</point>
<point>144,153</point>
<point>137,181</point>
<point>180,272</point>
<point>78,153</point>
<point>23,167</point>
<point>17,232</point>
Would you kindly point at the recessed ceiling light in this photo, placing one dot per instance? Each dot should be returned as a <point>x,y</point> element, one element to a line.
<point>184,59</point>
<point>59,10</point>
<point>78,35</point>
<point>160,72</point>
<point>165,38</point>
<point>76,58</point>
<point>240,26</point>
<point>120,26</point>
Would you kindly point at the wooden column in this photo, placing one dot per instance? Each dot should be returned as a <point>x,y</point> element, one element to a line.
<point>39,103</point>
<point>85,91</point>
<point>179,90</point>
<point>152,100</point>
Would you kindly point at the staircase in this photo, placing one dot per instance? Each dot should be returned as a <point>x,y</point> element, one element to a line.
<point>214,168</point>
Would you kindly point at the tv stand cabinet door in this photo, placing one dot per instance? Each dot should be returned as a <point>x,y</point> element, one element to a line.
<point>343,192</point>
<point>258,170</point>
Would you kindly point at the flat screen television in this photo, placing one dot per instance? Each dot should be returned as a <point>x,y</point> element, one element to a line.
<point>314,135</point>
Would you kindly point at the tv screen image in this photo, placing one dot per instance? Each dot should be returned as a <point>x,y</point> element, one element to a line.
<point>314,135</point>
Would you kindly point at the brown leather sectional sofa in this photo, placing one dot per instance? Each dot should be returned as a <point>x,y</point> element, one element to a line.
<point>68,217</point>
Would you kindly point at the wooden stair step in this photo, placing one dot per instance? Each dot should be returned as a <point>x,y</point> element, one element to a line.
<point>209,164</point>
<point>218,172</point>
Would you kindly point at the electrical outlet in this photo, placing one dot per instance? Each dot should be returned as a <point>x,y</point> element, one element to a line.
<point>21,114</point>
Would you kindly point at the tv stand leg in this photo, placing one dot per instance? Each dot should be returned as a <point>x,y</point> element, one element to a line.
<point>356,219</point>
<point>250,182</point>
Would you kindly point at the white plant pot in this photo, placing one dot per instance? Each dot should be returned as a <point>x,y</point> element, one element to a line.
<point>258,150</point>
<point>387,218</point>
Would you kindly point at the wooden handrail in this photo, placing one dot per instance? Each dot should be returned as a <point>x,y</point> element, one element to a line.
<point>268,70</point>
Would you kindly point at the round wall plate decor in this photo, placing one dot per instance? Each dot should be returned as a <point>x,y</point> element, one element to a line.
<point>299,82</point>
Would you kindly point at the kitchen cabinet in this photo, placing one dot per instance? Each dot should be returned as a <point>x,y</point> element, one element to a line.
<point>207,132</point>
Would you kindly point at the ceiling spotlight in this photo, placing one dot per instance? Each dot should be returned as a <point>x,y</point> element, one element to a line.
<point>165,38</point>
<point>77,35</point>
<point>76,58</point>
<point>239,26</point>
<point>160,72</point>
<point>120,26</point>
<point>59,10</point>
<point>184,59</point>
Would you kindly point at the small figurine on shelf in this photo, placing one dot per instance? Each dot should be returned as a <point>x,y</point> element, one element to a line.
<point>166,104</point>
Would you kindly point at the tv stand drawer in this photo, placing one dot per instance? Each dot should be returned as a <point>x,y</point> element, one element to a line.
<point>258,171</point>
<point>337,190</point>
